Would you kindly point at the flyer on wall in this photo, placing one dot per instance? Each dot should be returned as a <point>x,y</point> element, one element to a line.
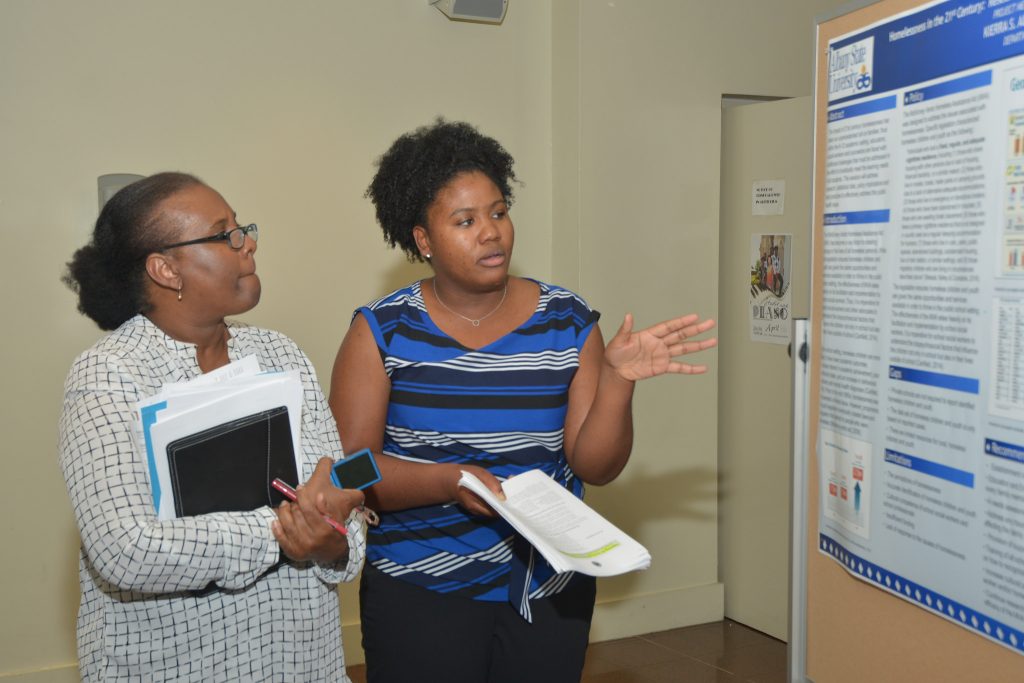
<point>921,433</point>
<point>770,294</point>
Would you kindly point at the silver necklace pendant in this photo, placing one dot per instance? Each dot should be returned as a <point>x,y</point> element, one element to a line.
<point>473,322</point>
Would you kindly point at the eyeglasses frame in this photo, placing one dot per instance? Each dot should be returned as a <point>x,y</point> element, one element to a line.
<point>222,236</point>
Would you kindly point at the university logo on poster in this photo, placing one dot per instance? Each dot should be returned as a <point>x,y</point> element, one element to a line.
<point>850,69</point>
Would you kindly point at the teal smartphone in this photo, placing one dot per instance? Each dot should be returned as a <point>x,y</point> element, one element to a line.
<point>356,471</point>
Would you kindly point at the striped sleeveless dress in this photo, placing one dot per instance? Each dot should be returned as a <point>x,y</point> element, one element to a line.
<point>501,407</point>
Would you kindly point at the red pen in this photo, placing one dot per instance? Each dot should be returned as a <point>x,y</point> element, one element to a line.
<point>289,493</point>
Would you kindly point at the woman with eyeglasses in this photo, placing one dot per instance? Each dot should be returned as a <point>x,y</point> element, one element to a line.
<point>476,369</point>
<point>246,596</point>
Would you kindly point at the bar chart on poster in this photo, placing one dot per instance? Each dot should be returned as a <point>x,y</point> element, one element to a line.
<point>916,425</point>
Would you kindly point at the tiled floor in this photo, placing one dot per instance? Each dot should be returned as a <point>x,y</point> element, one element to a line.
<point>722,651</point>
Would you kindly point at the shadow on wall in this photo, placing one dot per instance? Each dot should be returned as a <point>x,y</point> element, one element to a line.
<point>687,493</point>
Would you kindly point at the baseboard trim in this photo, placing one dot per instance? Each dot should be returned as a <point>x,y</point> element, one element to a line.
<point>62,673</point>
<point>639,614</point>
<point>352,643</point>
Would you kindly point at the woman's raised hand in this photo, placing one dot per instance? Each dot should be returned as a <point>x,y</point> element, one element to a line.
<point>651,352</point>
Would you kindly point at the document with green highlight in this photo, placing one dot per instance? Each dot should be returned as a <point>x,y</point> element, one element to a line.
<point>566,531</point>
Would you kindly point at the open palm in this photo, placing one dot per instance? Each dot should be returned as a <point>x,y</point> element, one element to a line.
<point>652,351</point>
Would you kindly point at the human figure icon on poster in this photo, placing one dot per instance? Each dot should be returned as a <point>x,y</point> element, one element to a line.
<point>777,284</point>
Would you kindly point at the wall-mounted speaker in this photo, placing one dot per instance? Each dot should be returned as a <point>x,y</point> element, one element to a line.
<point>109,184</point>
<point>485,11</point>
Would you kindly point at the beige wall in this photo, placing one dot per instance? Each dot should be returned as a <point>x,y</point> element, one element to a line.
<point>284,107</point>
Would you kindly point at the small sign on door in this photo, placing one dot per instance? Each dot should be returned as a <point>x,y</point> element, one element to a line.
<point>768,198</point>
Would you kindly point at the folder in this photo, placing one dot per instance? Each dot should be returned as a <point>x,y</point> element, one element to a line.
<point>229,467</point>
<point>209,408</point>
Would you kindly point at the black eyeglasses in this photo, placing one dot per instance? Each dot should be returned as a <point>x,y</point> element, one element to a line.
<point>234,237</point>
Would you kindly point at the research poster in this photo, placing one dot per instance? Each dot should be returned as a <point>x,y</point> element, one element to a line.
<point>921,437</point>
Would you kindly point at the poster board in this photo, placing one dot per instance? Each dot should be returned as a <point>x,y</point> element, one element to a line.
<point>854,630</point>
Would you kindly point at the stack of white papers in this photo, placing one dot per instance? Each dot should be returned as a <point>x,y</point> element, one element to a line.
<point>231,392</point>
<point>566,531</point>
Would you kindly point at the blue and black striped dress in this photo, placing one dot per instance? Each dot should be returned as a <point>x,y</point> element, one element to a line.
<point>501,407</point>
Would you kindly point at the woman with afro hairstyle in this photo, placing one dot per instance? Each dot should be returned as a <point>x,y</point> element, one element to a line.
<point>474,369</point>
<point>225,596</point>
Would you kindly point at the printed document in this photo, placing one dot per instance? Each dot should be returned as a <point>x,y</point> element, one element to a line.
<point>569,534</point>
